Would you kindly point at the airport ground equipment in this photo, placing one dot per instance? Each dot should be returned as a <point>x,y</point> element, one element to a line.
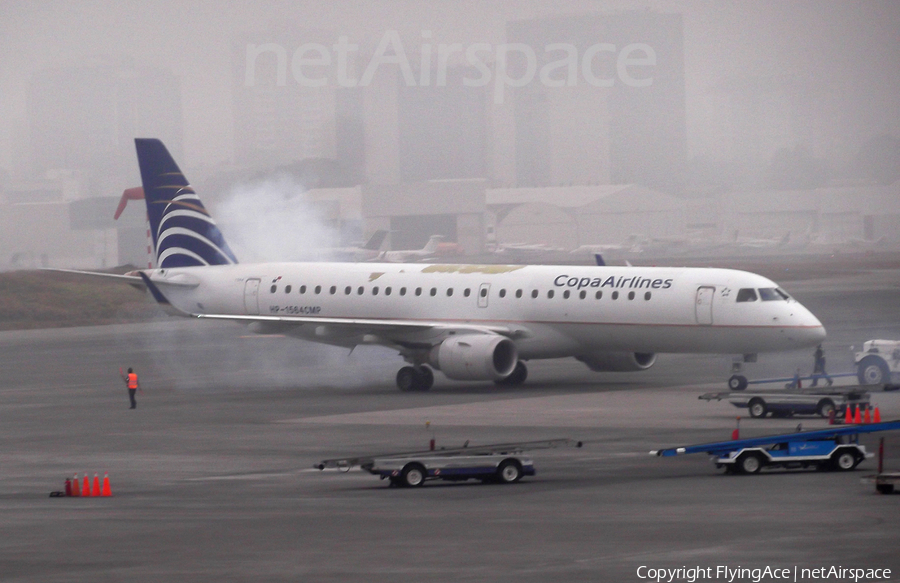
<point>878,362</point>
<point>502,463</point>
<point>835,448</point>
<point>785,403</point>
<point>884,481</point>
<point>738,382</point>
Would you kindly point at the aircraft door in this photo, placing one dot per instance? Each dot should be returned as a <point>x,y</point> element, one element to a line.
<point>484,290</point>
<point>251,297</point>
<point>703,306</point>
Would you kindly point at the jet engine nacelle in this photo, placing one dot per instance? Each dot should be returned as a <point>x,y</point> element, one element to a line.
<point>618,361</point>
<point>475,357</point>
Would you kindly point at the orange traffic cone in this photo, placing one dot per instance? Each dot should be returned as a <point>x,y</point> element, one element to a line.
<point>76,489</point>
<point>856,416</point>
<point>868,416</point>
<point>106,489</point>
<point>86,491</point>
<point>848,418</point>
<point>95,491</point>
<point>877,418</point>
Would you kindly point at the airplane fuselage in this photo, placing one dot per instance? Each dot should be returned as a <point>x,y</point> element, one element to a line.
<point>551,311</point>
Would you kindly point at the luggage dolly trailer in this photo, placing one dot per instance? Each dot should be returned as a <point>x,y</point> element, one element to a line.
<point>835,448</point>
<point>504,463</point>
<point>884,481</point>
<point>810,401</point>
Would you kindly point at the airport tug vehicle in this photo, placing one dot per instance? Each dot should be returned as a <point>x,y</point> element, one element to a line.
<point>878,362</point>
<point>503,463</point>
<point>835,448</point>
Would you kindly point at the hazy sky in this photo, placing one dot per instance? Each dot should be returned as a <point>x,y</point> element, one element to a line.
<point>849,47</point>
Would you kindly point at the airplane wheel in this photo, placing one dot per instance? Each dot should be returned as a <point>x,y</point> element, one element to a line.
<point>737,382</point>
<point>872,370</point>
<point>424,377</point>
<point>516,377</point>
<point>757,408</point>
<point>407,379</point>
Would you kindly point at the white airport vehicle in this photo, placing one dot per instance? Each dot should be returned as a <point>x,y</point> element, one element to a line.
<point>878,362</point>
<point>503,463</point>
<point>471,322</point>
<point>822,401</point>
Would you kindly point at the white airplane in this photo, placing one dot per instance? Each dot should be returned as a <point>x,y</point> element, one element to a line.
<point>370,251</point>
<point>403,255</point>
<point>471,322</point>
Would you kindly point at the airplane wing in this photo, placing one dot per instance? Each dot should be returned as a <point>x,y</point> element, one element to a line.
<point>375,326</point>
<point>133,280</point>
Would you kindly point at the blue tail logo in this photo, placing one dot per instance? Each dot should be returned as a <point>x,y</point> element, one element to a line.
<point>184,234</point>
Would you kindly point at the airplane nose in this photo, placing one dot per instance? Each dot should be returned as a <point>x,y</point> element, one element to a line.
<point>812,331</point>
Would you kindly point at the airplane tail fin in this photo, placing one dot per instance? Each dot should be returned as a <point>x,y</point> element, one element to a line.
<point>375,241</point>
<point>432,244</point>
<point>183,233</point>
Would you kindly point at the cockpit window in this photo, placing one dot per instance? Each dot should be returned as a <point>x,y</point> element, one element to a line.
<point>772,294</point>
<point>747,294</point>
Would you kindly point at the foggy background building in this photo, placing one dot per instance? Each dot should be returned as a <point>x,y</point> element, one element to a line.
<point>772,121</point>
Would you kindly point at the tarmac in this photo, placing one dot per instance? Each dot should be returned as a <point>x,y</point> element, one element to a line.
<point>212,475</point>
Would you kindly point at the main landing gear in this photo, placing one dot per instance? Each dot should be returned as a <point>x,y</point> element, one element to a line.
<point>415,378</point>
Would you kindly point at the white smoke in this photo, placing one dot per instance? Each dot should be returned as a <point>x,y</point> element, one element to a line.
<point>272,220</point>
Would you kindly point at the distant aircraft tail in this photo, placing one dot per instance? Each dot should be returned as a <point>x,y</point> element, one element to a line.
<point>375,241</point>
<point>432,244</point>
<point>183,233</point>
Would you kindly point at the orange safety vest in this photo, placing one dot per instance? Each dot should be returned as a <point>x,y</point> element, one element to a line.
<point>132,381</point>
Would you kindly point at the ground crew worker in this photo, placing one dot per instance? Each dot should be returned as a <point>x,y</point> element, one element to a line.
<point>131,381</point>
<point>819,367</point>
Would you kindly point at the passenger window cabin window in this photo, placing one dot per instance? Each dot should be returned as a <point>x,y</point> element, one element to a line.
<point>502,293</point>
<point>566,294</point>
<point>375,291</point>
<point>550,294</point>
<point>273,289</point>
<point>302,289</point>
<point>332,290</point>
<point>615,295</point>
<point>402,291</point>
<point>746,294</point>
<point>449,291</point>
<point>318,289</point>
<point>631,295</point>
<point>347,290</point>
<point>484,292</point>
<point>387,291</point>
<point>582,295</point>
<point>287,289</point>
<point>418,291</point>
<point>598,295</point>
<point>466,292</point>
<point>647,296</point>
<point>433,291</point>
<point>534,293</point>
<point>518,293</point>
<point>360,290</point>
